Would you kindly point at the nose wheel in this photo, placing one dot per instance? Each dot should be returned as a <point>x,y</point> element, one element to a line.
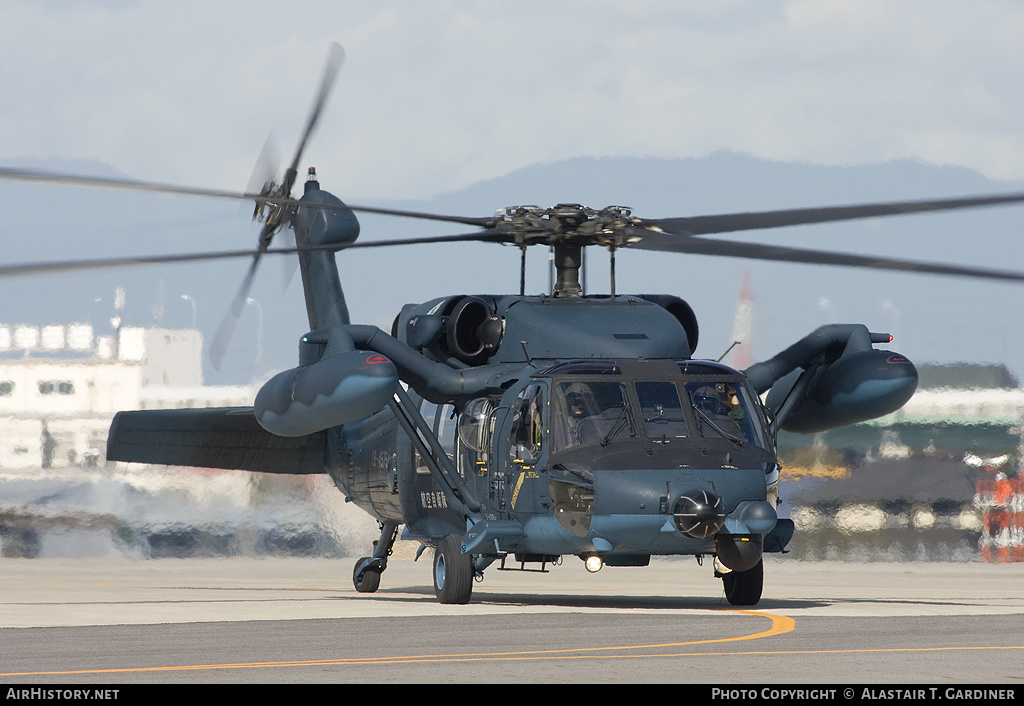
<point>453,571</point>
<point>744,587</point>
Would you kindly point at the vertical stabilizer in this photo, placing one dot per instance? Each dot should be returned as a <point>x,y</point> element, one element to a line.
<point>325,302</point>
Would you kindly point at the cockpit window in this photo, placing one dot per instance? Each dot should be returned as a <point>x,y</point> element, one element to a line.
<point>528,428</point>
<point>589,413</point>
<point>584,367</point>
<point>724,410</point>
<point>662,412</point>
<point>475,424</point>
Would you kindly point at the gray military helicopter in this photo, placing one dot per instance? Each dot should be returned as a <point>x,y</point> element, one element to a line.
<point>514,430</point>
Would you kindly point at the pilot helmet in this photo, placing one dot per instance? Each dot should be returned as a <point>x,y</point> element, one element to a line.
<point>707,399</point>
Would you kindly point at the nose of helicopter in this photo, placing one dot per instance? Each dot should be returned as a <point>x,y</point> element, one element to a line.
<point>686,508</point>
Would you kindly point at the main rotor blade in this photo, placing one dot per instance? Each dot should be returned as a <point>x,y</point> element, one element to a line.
<point>731,222</point>
<point>478,237</point>
<point>38,176</point>
<point>55,266</point>
<point>755,251</point>
<point>465,220</point>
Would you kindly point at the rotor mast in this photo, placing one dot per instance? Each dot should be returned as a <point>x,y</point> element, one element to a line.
<point>568,260</point>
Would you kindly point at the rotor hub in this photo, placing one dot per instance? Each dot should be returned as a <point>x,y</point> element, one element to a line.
<point>565,222</point>
<point>567,228</point>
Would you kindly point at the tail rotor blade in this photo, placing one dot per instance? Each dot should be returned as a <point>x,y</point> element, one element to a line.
<point>264,172</point>
<point>335,57</point>
<point>289,265</point>
<point>221,339</point>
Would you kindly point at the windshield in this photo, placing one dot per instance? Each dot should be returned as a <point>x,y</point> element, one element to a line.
<point>726,410</point>
<point>667,408</point>
<point>662,411</point>
<point>589,413</point>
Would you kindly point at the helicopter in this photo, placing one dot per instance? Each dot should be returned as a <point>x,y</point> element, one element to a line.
<point>509,431</point>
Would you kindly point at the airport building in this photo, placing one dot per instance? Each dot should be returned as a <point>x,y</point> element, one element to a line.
<point>60,386</point>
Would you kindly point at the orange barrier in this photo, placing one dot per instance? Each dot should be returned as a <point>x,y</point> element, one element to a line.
<point>1002,505</point>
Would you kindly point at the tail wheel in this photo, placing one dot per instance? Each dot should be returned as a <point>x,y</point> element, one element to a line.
<point>453,571</point>
<point>367,580</point>
<point>744,587</point>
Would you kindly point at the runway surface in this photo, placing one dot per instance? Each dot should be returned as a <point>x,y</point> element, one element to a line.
<point>115,621</point>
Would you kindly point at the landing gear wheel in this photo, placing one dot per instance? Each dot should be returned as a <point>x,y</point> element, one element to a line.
<point>453,571</point>
<point>744,587</point>
<point>366,581</point>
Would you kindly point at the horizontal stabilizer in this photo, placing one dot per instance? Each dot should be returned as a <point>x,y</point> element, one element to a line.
<point>227,437</point>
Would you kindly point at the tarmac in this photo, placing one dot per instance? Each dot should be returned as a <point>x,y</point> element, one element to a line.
<point>300,620</point>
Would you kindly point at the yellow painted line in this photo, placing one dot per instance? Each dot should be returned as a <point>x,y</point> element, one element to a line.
<point>854,651</point>
<point>780,624</point>
<point>525,656</point>
<point>508,656</point>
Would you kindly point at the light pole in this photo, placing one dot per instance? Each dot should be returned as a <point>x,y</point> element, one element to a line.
<point>894,314</point>
<point>191,301</point>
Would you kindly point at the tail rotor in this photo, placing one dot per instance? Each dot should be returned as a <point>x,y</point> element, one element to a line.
<point>278,209</point>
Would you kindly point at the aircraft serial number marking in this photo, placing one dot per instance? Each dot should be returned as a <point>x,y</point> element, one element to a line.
<point>380,459</point>
<point>433,499</point>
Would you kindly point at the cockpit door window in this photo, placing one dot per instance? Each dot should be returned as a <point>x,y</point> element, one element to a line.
<point>527,434</point>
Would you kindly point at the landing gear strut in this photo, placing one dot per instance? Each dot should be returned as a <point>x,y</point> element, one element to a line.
<point>366,574</point>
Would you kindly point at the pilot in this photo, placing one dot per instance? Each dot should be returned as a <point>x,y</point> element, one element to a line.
<point>580,406</point>
<point>722,408</point>
<point>574,401</point>
<point>731,401</point>
<point>577,413</point>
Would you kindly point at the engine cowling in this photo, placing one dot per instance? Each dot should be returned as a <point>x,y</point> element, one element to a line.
<point>473,332</point>
<point>463,327</point>
<point>332,391</point>
<point>683,313</point>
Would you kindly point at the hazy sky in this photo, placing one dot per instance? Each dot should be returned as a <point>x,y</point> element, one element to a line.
<point>435,96</point>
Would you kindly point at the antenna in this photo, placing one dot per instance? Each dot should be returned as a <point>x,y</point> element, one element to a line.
<point>719,358</point>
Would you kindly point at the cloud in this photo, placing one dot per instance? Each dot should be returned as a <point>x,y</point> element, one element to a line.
<point>437,95</point>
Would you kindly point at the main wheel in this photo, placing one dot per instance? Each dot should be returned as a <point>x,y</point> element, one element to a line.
<point>453,571</point>
<point>744,587</point>
<point>366,581</point>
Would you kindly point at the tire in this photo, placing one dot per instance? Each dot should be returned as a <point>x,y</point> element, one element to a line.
<point>453,572</point>
<point>744,587</point>
<point>366,582</point>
